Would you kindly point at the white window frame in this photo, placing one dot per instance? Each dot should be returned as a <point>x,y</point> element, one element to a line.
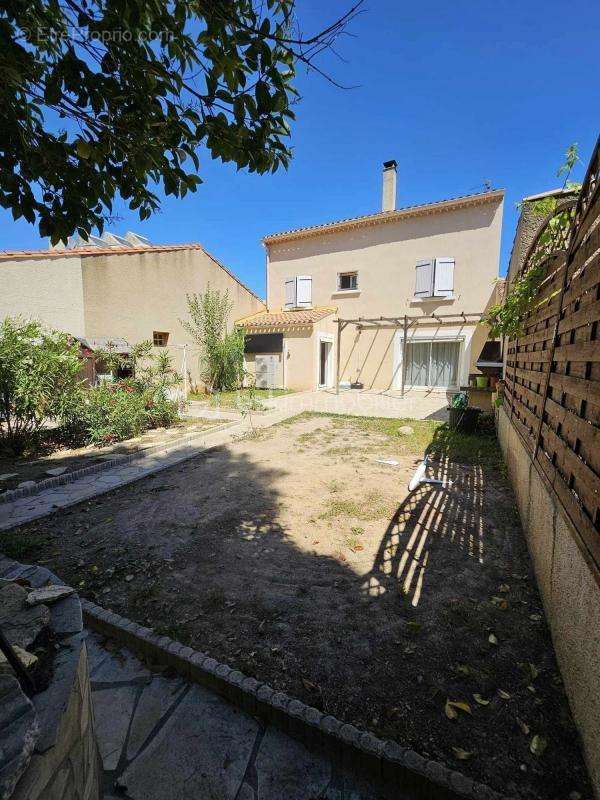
<point>462,339</point>
<point>351,274</point>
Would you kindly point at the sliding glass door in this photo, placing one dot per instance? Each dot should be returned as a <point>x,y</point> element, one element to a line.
<point>432,364</point>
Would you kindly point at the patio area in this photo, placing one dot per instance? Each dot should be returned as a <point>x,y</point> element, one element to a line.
<point>416,404</point>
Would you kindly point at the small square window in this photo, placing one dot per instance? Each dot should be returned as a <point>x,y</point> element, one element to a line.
<point>160,338</point>
<point>347,281</point>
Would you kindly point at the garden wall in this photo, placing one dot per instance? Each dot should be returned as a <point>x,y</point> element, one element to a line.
<point>64,763</point>
<point>568,587</point>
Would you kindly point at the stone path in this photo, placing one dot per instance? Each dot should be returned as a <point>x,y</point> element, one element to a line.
<point>163,738</point>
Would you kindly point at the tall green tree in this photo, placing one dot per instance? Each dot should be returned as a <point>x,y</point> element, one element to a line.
<point>102,98</point>
<point>221,352</point>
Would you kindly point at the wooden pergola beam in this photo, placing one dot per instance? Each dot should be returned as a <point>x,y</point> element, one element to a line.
<point>396,323</point>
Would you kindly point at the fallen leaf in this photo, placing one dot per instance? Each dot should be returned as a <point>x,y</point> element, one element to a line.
<point>534,671</point>
<point>492,638</point>
<point>451,707</point>
<point>535,617</point>
<point>309,685</point>
<point>538,744</point>
<point>504,695</point>
<point>481,700</point>
<point>356,548</point>
<point>414,626</point>
<point>461,754</point>
<point>464,669</point>
<point>504,587</point>
<point>523,726</point>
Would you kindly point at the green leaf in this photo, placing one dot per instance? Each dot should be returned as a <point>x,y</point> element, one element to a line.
<point>538,745</point>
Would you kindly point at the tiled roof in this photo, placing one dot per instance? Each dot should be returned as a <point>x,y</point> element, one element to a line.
<point>286,319</point>
<point>58,252</point>
<point>388,216</point>
<point>89,252</point>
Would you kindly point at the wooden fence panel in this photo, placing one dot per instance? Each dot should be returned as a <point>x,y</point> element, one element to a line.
<point>552,375</point>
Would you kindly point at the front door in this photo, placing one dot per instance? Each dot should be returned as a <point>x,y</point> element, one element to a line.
<point>324,363</point>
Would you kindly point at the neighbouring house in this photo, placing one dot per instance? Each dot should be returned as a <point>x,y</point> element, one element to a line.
<point>119,287</point>
<point>437,264</point>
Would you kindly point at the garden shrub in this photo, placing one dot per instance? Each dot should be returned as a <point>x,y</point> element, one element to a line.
<point>115,411</point>
<point>39,380</point>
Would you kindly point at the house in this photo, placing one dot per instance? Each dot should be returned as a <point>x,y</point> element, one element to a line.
<point>121,287</point>
<point>435,264</point>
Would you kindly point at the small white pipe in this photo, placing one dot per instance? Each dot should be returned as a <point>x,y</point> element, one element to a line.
<point>420,477</point>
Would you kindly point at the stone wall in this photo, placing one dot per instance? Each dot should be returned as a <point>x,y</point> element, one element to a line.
<point>65,763</point>
<point>70,769</point>
<point>568,587</point>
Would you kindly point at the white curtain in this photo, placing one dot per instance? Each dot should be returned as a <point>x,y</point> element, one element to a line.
<point>432,363</point>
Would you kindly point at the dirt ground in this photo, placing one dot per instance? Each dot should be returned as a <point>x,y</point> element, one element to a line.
<point>52,455</point>
<point>299,559</point>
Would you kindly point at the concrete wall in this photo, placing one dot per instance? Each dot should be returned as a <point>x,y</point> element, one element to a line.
<point>46,289</point>
<point>385,255</point>
<point>132,295</point>
<point>568,588</point>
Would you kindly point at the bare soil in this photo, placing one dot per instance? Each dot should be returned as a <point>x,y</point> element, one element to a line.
<point>297,558</point>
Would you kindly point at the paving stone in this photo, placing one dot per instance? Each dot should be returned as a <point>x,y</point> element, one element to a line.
<point>48,594</point>
<point>120,665</point>
<point>285,768</point>
<point>7,475</point>
<point>20,624</point>
<point>112,713</point>
<point>202,751</point>
<point>155,702</point>
<point>97,654</point>
<point>56,471</point>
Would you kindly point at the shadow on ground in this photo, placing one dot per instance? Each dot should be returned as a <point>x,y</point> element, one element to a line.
<point>216,553</point>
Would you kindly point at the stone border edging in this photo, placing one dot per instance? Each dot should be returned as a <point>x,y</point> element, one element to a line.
<point>72,477</point>
<point>385,758</point>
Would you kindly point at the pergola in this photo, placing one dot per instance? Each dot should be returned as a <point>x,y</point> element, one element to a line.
<point>405,323</point>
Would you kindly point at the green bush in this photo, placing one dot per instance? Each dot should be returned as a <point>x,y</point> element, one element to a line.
<point>119,410</point>
<point>39,380</point>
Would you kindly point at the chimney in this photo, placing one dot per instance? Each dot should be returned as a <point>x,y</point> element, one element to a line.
<point>388,194</point>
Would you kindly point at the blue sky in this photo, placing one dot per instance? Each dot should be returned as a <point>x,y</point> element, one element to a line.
<point>458,93</point>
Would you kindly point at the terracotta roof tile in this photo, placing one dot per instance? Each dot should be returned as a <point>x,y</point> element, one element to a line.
<point>387,216</point>
<point>286,319</point>
<point>56,252</point>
